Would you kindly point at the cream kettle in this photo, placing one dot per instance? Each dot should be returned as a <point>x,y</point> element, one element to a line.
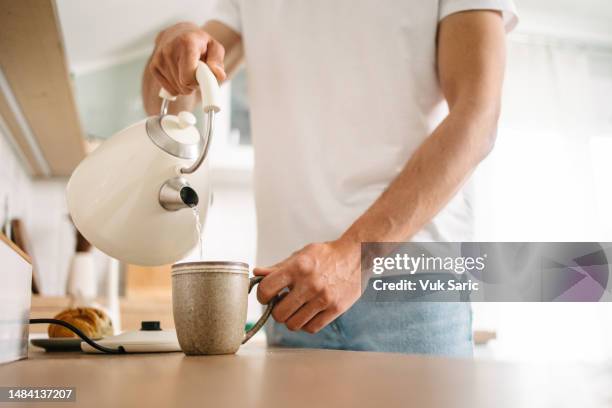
<point>134,196</point>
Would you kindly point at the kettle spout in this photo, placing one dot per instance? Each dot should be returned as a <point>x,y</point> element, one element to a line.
<point>176,193</point>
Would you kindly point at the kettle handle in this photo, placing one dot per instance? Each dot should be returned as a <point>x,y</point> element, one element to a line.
<point>209,89</point>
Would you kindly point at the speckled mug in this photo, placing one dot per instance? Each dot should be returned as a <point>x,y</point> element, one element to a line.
<point>209,304</point>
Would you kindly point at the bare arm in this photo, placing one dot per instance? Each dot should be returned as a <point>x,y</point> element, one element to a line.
<point>174,60</point>
<point>325,278</point>
<point>471,60</point>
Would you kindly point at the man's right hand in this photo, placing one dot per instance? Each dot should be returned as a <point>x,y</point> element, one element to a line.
<point>177,52</point>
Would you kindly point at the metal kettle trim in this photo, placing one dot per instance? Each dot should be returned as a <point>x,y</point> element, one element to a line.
<point>173,193</point>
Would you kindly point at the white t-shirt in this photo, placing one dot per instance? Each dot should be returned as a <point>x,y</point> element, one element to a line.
<point>341,93</point>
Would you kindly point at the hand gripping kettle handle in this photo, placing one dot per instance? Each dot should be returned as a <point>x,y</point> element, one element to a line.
<point>209,88</point>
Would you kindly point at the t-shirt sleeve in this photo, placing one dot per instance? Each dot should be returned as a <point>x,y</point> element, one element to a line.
<point>228,13</point>
<point>507,8</point>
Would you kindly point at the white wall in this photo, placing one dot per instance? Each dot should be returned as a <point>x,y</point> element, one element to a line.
<point>41,206</point>
<point>585,20</point>
<point>14,182</point>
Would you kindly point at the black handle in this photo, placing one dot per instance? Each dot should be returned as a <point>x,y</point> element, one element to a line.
<point>266,314</point>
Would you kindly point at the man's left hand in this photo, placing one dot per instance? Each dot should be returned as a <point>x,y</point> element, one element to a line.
<point>323,279</point>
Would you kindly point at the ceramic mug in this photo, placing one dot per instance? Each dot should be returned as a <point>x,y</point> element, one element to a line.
<point>209,304</point>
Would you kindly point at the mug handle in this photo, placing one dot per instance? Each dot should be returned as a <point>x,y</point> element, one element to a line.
<point>264,317</point>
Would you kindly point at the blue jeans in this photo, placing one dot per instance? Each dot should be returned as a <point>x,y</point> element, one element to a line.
<point>401,327</point>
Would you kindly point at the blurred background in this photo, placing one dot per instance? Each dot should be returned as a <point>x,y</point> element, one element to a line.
<point>548,178</point>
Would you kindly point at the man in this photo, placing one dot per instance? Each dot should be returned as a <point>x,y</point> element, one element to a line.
<point>368,118</point>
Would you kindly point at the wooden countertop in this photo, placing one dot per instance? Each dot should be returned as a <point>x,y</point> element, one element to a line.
<point>273,377</point>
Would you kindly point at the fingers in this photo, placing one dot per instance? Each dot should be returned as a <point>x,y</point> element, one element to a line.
<point>163,81</point>
<point>193,47</point>
<point>304,314</point>
<point>161,68</point>
<point>266,270</point>
<point>187,65</point>
<point>171,72</point>
<point>321,320</point>
<point>176,58</point>
<point>318,289</point>
<point>272,284</point>
<point>214,59</point>
<point>263,271</point>
<point>290,304</point>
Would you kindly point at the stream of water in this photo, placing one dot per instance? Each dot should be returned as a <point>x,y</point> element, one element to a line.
<point>198,226</point>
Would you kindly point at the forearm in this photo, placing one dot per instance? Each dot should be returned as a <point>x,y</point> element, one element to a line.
<point>324,280</point>
<point>431,177</point>
<point>231,42</point>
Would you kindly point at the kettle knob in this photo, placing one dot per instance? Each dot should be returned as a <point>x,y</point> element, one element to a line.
<point>186,119</point>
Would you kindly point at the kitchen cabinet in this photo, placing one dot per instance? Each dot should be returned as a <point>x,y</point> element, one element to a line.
<point>36,98</point>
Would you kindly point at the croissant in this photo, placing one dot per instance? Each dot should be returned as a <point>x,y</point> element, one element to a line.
<point>91,321</point>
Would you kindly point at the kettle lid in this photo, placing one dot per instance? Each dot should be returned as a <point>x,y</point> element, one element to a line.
<point>176,135</point>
